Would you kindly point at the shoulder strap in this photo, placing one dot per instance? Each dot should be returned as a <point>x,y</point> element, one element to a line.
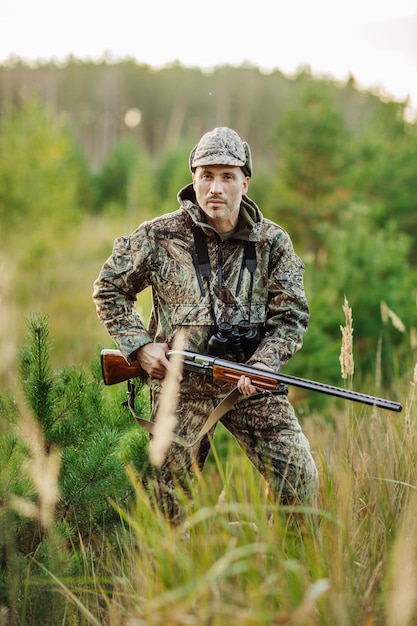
<point>221,409</point>
<point>250,256</point>
<point>201,251</point>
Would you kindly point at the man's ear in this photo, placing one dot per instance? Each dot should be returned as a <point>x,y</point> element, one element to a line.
<point>246,184</point>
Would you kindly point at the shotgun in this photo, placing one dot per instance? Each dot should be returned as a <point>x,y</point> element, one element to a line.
<point>116,369</point>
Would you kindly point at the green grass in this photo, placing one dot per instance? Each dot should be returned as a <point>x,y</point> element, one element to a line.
<point>238,559</point>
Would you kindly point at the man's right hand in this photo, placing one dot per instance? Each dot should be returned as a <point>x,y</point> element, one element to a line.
<point>153,359</point>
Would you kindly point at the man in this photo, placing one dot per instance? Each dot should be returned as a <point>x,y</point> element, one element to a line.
<point>216,265</point>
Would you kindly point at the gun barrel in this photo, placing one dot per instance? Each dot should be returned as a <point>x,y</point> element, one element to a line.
<point>230,371</point>
<point>339,392</point>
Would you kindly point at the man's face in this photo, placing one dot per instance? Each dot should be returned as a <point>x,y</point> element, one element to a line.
<point>219,190</point>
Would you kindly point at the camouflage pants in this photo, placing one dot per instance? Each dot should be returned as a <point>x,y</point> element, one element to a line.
<point>266,428</point>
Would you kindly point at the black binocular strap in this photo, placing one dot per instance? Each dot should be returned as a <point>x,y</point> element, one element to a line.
<point>201,251</point>
<point>203,267</point>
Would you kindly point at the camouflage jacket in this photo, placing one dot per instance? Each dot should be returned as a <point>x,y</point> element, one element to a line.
<point>162,254</point>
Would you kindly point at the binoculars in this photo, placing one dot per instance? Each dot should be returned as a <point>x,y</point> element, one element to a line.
<point>241,341</point>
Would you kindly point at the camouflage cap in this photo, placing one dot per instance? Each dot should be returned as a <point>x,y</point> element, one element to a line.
<point>222,146</point>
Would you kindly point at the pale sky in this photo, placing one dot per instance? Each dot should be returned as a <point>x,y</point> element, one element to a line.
<point>375,40</point>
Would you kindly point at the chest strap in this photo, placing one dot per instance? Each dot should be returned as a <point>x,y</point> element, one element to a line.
<point>202,259</point>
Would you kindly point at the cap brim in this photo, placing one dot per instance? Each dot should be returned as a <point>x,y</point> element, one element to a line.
<point>218,160</point>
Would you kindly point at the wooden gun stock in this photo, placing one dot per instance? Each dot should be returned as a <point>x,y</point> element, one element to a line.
<point>116,369</point>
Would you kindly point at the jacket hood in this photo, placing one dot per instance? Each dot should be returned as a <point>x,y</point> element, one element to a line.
<point>250,217</point>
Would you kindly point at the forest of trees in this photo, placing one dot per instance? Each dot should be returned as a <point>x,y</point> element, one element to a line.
<point>176,103</point>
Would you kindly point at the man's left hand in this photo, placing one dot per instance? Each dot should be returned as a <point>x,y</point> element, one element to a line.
<point>244,384</point>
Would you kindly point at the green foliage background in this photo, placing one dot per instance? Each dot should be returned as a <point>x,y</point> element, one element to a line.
<point>333,165</point>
